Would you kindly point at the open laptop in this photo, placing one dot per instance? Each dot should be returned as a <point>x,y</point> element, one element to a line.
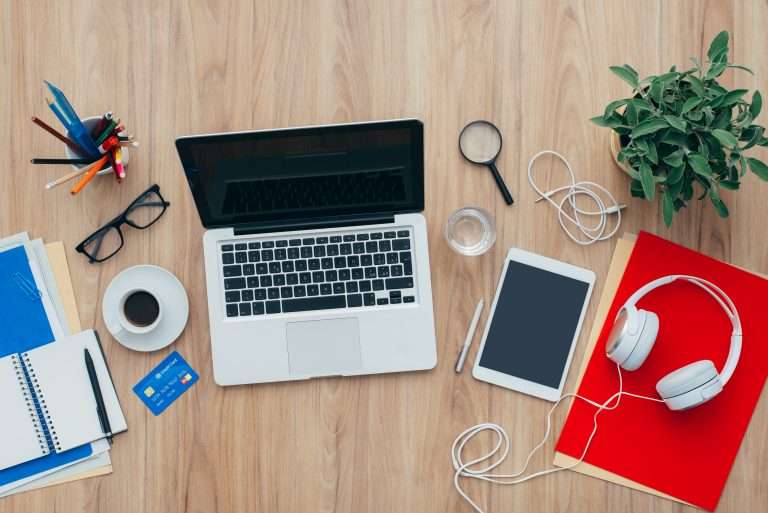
<point>316,254</point>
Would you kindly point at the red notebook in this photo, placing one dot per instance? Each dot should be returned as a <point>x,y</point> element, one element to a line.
<point>685,454</point>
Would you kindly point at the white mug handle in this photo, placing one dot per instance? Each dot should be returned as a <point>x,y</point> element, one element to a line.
<point>117,329</point>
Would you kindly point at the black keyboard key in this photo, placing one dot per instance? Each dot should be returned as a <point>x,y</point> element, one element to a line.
<point>395,300</point>
<point>385,246</point>
<point>254,256</point>
<point>254,245</point>
<point>260,294</point>
<point>369,299</point>
<point>286,292</point>
<point>314,303</point>
<point>273,307</point>
<point>351,286</point>
<point>308,241</point>
<point>281,243</point>
<point>377,236</point>
<point>405,256</point>
<point>349,238</point>
<point>372,246</point>
<point>338,288</point>
<point>245,309</point>
<point>292,279</point>
<point>357,273</point>
<point>301,265</point>
<point>383,272</point>
<point>382,301</point>
<point>354,300</point>
<point>227,258</point>
<point>278,280</point>
<point>395,293</point>
<point>344,275</point>
<point>379,259</point>
<point>402,233</point>
<point>318,277</point>
<point>249,270</point>
<point>241,247</point>
<point>326,289</point>
<point>313,290</point>
<point>305,278</point>
<point>365,286</point>
<point>265,281</point>
<point>366,260</point>
<point>241,257</point>
<point>353,261</point>
<point>333,250</point>
<point>306,252</point>
<point>247,295</point>
<point>267,255</point>
<point>391,258</point>
<point>287,267</point>
<point>336,239</point>
<point>233,296</point>
<point>268,244</point>
<point>321,240</point>
<point>274,267</point>
<point>399,283</point>
<point>253,282</point>
<point>331,275</point>
<point>358,248</point>
<point>401,244</point>
<point>299,291</point>
<point>389,235</point>
<point>340,262</point>
<point>319,251</point>
<point>294,242</point>
<point>258,308</point>
<point>313,264</point>
<point>262,268</point>
<point>234,283</point>
<point>273,293</point>
<point>345,249</point>
<point>327,263</point>
<point>409,299</point>
<point>227,247</point>
<point>362,236</point>
<point>378,284</point>
<point>232,310</point>
<point>396,270</point>
<point>232,271</point>
<point>293,253</point>
<point>408,269</point>
<point>280,254</point>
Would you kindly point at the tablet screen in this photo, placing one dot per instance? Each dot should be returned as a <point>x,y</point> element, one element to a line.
<point>534,322</point>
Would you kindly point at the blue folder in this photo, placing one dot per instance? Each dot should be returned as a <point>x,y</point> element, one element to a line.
<point>24,325</point>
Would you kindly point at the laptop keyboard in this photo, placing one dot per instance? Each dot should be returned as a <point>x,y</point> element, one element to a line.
<point>344,270</point>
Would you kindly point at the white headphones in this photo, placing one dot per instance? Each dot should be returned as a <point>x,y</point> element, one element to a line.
<point>634,333</point>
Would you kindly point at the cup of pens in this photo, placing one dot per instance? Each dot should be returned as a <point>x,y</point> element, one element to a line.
<point>95,146</point>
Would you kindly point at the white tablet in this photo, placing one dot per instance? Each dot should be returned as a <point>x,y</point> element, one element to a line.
<point>534,324</point>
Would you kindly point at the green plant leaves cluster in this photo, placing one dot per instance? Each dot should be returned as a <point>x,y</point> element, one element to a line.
<point>682,128</point>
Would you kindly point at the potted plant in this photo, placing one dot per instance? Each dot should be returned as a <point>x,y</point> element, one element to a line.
<point>682,128</point>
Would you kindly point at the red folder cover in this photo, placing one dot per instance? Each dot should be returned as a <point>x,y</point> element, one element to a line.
<point>685,454</point>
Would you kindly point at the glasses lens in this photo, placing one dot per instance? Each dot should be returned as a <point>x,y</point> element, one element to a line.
<point>480,142</point>
<point>103,244</point>
<point>146,210</point>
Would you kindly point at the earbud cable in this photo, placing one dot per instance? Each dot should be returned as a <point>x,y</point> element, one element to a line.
<point>502,446</point>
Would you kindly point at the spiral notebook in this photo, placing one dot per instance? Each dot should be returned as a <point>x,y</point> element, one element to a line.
<point>48,402</point>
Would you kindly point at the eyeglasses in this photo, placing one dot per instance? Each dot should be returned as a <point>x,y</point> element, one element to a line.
<point>142,213</point>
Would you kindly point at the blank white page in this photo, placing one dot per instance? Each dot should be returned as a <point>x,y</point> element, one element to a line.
<point>19,442</point>
<point>64,384</point>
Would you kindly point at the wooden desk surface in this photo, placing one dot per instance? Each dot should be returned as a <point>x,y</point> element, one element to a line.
<point>381,444</point>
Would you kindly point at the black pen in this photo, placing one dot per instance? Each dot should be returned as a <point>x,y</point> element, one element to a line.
<point>100,408</point>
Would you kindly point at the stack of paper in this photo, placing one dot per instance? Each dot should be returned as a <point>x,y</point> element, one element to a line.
<point>46,276</point>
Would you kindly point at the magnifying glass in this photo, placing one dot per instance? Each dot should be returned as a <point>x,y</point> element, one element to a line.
<point>480,143</point>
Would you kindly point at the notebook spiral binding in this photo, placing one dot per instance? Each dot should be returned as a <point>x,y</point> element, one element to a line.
<point>18,367</point>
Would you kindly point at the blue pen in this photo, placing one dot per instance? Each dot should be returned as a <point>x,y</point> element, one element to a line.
<point>59,114</point>
<point>75,127</point>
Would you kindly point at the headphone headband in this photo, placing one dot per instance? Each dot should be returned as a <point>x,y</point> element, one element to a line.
<point>722,299</point>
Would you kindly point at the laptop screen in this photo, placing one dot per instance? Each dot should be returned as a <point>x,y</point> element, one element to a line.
<point>305,173</point>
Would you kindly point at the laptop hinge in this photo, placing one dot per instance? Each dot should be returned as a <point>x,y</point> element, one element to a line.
<point>313,224</point>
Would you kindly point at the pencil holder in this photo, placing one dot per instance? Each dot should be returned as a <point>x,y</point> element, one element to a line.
<point>90,124</point>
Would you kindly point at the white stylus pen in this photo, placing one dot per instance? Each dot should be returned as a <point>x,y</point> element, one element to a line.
<point>470,336</point>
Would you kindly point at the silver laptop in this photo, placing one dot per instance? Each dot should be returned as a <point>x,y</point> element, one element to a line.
<point>316,256</point>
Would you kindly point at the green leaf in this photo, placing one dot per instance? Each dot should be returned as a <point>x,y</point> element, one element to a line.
<point>676,123</point>
<point>667,208</point>
<point>653,154</point>
<point>691,103</point>
<point>743,68</point>
<point>599,121</point>
<point>674,159</point>
<point>699,164</point>
<point>636,189</point>
<point>675,176</point>
<point>722,210</point>
<point>718,44</point>
<point>731,97</point>
<point>656,89</point>
<point>715,70</point>
<point>627,74</point>
<point>646,179</point>
<point>697,86</point>
<point>611,107</point>
<point>759,168</point>
<point>726,138</point>
<point>648,127</point>
<point>757,104</point>
<point>731,185</point>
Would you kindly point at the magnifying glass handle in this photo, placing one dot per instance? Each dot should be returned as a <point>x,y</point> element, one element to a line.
<point>500,182</point>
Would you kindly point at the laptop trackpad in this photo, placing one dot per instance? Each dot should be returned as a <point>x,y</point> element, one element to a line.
<point>323,348</point>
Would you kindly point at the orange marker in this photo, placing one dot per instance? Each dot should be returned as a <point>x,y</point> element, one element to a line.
<point>88,176</point>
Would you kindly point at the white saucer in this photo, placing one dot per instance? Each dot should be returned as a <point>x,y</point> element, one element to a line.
<point>168,290</point>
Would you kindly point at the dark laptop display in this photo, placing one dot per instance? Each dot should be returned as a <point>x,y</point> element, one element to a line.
<point>306,173</point>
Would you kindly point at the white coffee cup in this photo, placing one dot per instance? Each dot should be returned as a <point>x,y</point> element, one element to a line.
<point>142,305</point>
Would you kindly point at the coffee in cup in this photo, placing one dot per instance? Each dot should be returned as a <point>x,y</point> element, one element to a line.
<point>139,312</point>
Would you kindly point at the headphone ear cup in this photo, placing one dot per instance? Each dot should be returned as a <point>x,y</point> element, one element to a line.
<point>690,386</point>
<point>646,337</point>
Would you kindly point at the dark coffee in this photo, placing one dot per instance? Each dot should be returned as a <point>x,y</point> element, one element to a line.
<point>141,308</point>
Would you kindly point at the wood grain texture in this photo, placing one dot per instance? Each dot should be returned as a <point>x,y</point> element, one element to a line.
<point>538,69</point>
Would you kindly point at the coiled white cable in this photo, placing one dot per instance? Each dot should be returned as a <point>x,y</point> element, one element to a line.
<point>593,191</point>
<point>464,468</point>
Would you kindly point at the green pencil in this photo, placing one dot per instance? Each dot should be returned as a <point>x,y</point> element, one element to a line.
<point>108,130</point>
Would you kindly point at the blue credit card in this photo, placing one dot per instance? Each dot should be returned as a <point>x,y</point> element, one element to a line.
<point>161,387</point>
